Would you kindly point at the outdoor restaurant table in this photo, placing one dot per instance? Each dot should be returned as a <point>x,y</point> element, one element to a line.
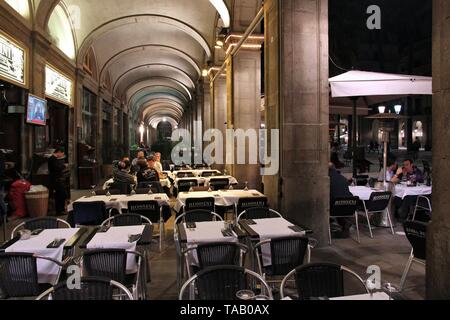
<point>377,296</point>
<point>205,232</point>
<point>269,228</point>
<point>197,173</point>
<point>224,198</point>
<point>120,202</point>
<point>118,238</point>
<point>363,193</point>
<point>164,183</point>
<point>205,180</point>
<point>47,270</point>
<point>403,191</point>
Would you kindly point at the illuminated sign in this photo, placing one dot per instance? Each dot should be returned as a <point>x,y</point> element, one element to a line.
<point>12,61</point>
<point>57,85</point>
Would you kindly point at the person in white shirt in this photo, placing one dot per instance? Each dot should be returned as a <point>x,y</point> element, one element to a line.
<point>391,169</point>
<point>158,165</point>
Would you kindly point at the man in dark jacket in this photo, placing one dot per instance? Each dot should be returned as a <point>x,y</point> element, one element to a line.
<point>339,188</point>
<point>2,178</point>
<point>57,170</point>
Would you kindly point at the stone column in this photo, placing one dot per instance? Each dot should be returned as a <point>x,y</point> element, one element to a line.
<point>297,59</point>
<point>438,241</point>
<point>246,113</point>
<point>220,110</point>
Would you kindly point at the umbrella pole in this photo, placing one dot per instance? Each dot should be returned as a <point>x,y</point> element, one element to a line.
<point>355,173</point>
<point>385,161</point>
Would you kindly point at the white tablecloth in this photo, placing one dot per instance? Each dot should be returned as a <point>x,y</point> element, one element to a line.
<point>164,183</point>
<point>205,180</point>
<point>120,202</point>
<point>402,191</point>
<point>47,270</point>
<point>206,232</point>
<point>363,192</point>
<point>271,228</point>
<point>117,238</point>
<point>377,296</point>
<point>197,173</point>
<point>222,197</point>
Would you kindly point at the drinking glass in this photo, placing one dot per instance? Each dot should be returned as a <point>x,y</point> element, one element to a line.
<point>246,186</point>
<point>245,295</point>
<point>390,289</point>
<point>93,189</point>
<point>371,287</point>
<point>150,189</point>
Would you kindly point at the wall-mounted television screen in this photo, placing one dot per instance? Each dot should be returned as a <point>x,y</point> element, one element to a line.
<point>36,111</point>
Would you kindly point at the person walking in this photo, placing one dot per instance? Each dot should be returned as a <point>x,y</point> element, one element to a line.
<point>57,172</point>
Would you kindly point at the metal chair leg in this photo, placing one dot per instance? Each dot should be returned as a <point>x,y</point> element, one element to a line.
<point>357,226</point>
<point>160,237</point>
<point>5,221</point>
<point>368,224</point>
<point>390,221</point>
<point>329,235</point>
<point>405,273</point>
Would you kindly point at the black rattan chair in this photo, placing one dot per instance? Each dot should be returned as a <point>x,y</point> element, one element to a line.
<point>153,211</point>
<point>19,276</point>
<point>40,223</point>
<point>112,264</point>
<point>185,185</point>
<point>207,203</point>
<point>378,203</point>
<point>219,183</point>
<point>248,203</point>
<point>259,213</point>
<point>286,253</point>
<point>222,283</point>
<point>319,280</point>
<point>345,207</point>
<point>215,254</point>
<point>144,187</point>
<point>423,208</point>
<point>124,188</point>
<point>89,213</point>
<point>126,219</point>
<point>416,232</point>
<point>197,216</point>
<point>91,288</point>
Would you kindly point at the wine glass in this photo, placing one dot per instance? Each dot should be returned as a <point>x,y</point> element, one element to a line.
<point>150,189</point>
<point>246,186</point>
<point>133,190</point>
<point>390,289</point>
<point>231,187</point>
<point>245,295</point>
<point>209,187</point>
<point>371,287</point>
<point>108,194</point>
<point>93,186</point>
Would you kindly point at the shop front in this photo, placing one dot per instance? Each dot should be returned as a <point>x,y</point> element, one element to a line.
<point>13,97</point>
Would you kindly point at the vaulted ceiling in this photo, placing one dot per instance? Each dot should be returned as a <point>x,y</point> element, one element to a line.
<point>152,51</point>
